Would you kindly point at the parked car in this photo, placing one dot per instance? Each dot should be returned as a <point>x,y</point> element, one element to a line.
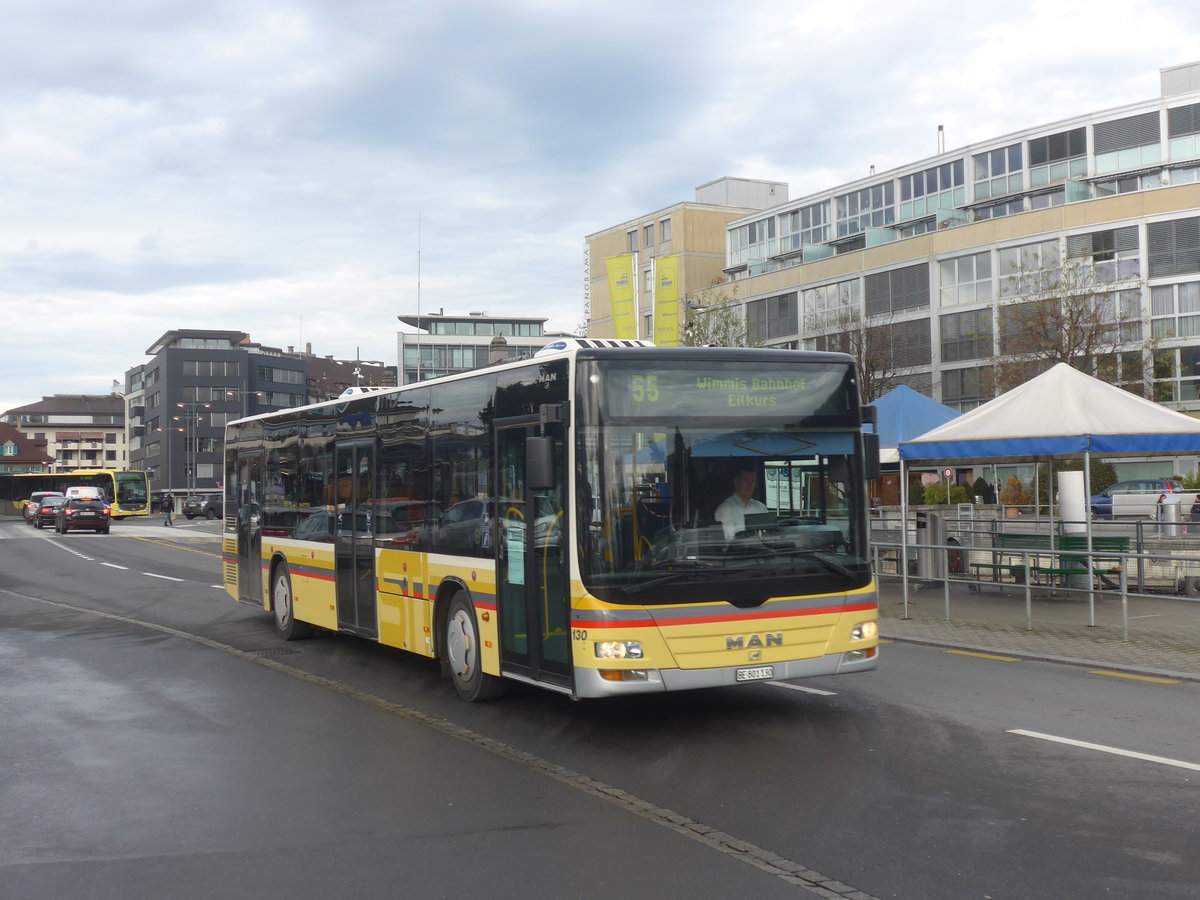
<point>81,512</point>
<point>46,511</point>
<point>1141,497</point>
<point>214,506</point>
<point>210,506</point>
<point>34,500</point>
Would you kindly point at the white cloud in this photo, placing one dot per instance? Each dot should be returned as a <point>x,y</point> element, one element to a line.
<point>263,167</point>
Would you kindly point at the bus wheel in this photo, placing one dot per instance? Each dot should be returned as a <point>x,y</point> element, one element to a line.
<point>281,600</point>
<point>462,647</point>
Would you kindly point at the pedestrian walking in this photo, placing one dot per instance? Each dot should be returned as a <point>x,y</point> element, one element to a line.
<point>168,507</point>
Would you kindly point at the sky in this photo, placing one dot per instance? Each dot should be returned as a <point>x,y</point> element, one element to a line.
<point>306,171</point>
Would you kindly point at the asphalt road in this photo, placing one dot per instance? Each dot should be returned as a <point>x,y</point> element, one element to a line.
<point>159,740</point>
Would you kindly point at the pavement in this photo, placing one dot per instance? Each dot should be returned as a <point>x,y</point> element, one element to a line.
<point>1156,637</point>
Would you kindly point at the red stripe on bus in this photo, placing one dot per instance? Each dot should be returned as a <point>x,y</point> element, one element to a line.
<point>708,620</point>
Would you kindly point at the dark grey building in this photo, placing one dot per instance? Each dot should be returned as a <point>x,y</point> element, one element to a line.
<point>198,380</point>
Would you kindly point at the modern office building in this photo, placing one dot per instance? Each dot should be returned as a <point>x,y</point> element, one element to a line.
<point>79,431</point>
<point>953,273</point>
<point>445,344</point>
<point>196,382</point>
<point>680,248</point>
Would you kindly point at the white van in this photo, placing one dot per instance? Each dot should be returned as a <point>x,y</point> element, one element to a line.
<point>86,492</point>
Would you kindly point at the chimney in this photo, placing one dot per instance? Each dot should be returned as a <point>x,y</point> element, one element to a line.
<point>497,350</point>
<point>308,348</point>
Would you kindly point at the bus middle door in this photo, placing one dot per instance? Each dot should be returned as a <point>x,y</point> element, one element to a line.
<point>532,573</point>
<point>354,538</point>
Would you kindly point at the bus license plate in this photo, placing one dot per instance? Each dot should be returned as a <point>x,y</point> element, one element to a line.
<point>758,673</point>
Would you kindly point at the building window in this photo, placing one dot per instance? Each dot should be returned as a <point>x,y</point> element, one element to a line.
<point>648,235</point>
<point>924,193</point>
<point>910,343</point>
<point>873,207</point>
<point>966,279</point>
<point>1174,247</point>
<point>999,210</point>
<point>1183,129</point>
<point>631,240</point>
<point>1113,253</point>
<point>1048,199</point>
<point>967,335</point>
<point>1129,143</point>
<point>965,389</point>
<point>806,226</point>
<point>110,455</point>
<point>998,172</point>
<point>1057,157</point>
<point>664,230</point>
<point>897,290</point>
<point>1175,310</point>
<point>753,244</point>
<point>1028,269</point>
<point>829,303</point>
<point>772,317</point>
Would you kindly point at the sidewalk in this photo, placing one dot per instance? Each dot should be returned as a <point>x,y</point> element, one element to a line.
<point>1164,633</point>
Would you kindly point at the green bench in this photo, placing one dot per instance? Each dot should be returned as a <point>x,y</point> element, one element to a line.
<point>1062,555</point>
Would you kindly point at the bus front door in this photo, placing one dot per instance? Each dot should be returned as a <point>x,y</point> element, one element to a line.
<point>249,527</point>
<point>532,572</point>
<point>354,538</point>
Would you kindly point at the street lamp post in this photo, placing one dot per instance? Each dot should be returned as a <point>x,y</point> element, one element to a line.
<point>191,425</point>
<point>244,394</point>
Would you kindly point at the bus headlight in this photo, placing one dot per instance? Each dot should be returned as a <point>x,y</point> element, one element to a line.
<point>618,650</point>
<point>865,631</point>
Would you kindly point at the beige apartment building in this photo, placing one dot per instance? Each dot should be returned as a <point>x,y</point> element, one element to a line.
<point>694,234</point>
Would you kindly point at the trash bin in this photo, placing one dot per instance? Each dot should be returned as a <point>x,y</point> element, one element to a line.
<point>931,529</point>
<point>1170,516</point>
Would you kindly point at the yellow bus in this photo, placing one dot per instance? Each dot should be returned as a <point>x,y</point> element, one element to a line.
<point>562,520</point>
<point>127,491</point>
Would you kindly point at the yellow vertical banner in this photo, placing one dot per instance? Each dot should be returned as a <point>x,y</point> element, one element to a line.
<point>620,292</point>
<point>666,301</point>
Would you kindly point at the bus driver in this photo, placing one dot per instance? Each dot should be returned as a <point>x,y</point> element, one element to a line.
<point>734,508</point>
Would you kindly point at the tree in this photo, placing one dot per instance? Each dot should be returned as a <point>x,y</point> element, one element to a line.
<point>1082,311</point>
<point>847,330</point>
<point>720,322</point>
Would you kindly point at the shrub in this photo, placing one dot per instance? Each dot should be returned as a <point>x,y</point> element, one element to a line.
<point>935,494</point>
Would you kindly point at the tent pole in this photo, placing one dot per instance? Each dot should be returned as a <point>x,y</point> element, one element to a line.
<point>1087,517</point>
<point>902,564</point>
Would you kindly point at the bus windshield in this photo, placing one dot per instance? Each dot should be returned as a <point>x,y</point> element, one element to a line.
<point>749,493</point>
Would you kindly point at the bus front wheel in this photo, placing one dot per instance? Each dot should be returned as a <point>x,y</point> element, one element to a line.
<point>462,646</point>
<point>281,601</point>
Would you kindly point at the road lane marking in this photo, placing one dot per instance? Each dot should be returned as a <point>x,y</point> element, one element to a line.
<point>115,566</point>
<point>800,687</point>
<point>1132,677</point>
<point>786,870</point>
<point>1116,751</point>
<point>984,655</point>
<point>163,577</point>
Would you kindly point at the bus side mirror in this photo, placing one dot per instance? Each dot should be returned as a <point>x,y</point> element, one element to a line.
<point>539,463</point>
<point>870,455</point>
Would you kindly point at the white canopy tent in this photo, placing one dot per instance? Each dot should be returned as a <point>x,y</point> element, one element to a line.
<point>1060,413</point>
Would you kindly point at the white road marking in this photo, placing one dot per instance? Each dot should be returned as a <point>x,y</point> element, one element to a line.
<point>1116,751</point>
<point>801,688</point>
<point>163,577</point>
<point>115,566</point>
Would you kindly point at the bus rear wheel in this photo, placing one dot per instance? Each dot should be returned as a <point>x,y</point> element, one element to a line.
<point>462,654</point>
<point>281,602</point>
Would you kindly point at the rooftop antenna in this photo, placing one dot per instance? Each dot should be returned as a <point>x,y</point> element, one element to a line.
<point>941,140</point>
<point>418,341</point>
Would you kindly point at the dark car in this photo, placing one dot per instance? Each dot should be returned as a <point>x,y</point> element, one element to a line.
<point>211,506</point>
<point>46,512</point>
<point>35,500</point>
<point>83,513</point>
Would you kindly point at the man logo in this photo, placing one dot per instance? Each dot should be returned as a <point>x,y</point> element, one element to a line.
<point>742,642</point>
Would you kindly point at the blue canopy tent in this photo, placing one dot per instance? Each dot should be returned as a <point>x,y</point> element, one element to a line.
<point>902,414</point>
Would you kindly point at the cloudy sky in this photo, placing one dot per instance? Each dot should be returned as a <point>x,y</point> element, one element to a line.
<point>287,167</point>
